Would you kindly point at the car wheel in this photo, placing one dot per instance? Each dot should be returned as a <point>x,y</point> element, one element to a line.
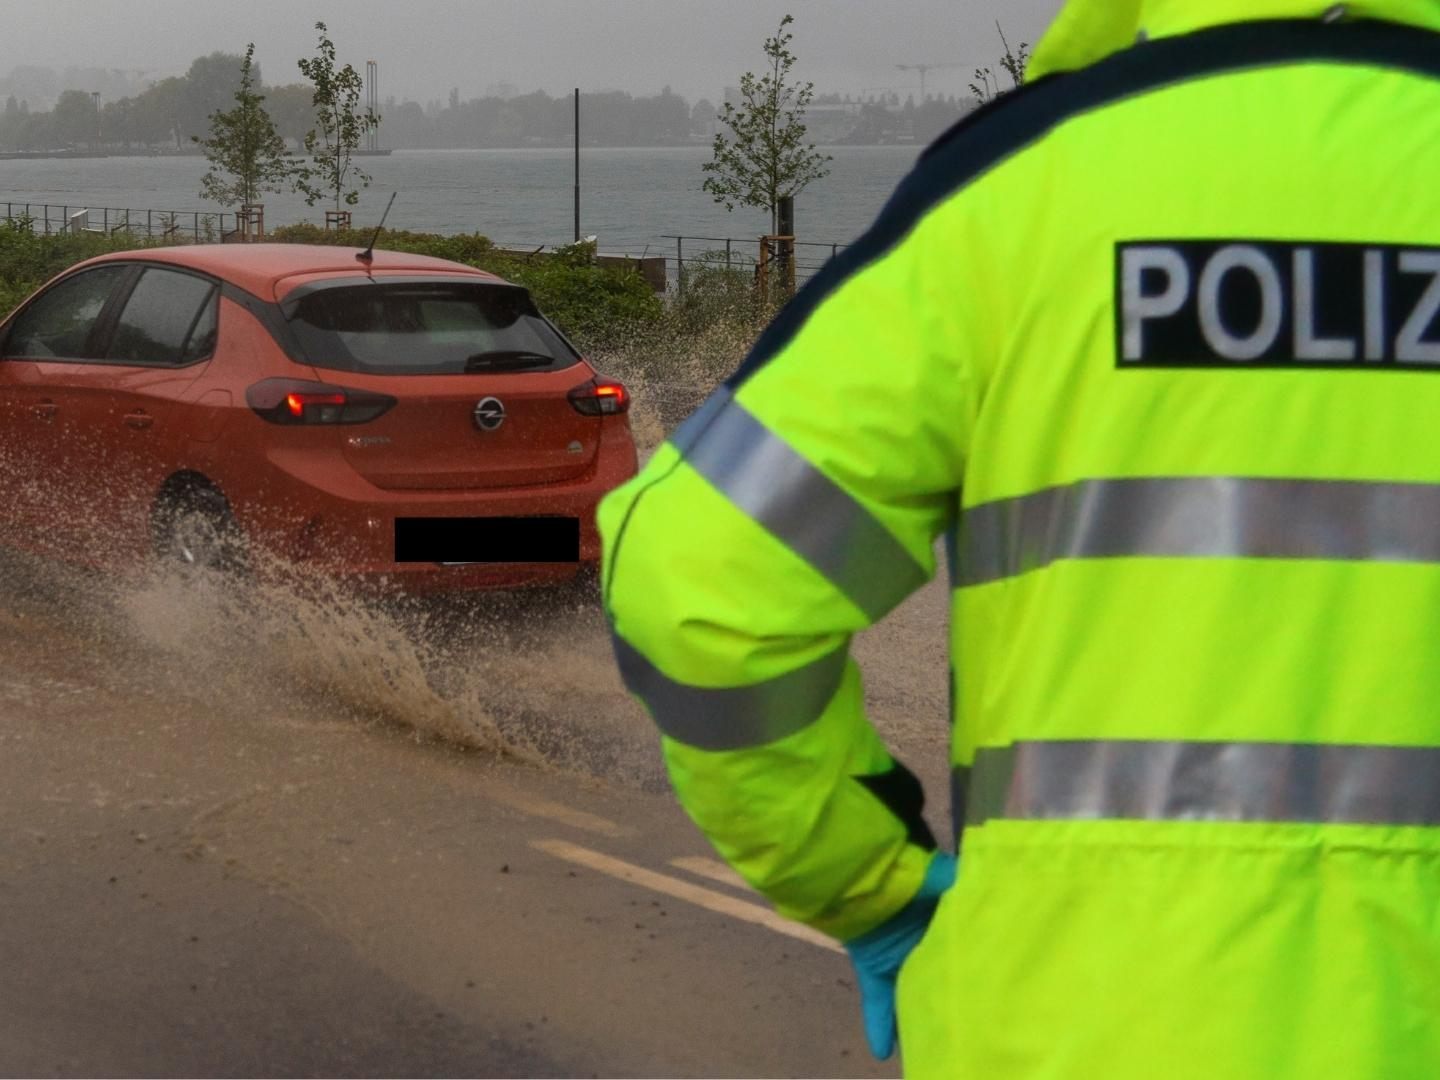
<point>195,529</point>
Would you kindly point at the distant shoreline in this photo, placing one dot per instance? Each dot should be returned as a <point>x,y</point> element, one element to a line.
<point>69,155</point>
<point>27,155</point>
<point>78,155</point>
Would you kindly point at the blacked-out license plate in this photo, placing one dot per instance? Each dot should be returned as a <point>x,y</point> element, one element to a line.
<point>487,540</point>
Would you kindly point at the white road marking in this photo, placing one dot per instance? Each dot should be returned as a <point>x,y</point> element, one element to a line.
<point>713,869</point>
<point>553,811</point>
<point>683,890</point>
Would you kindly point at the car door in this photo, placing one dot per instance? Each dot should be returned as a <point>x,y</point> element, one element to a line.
<point>118,428</point>
<point>64,321</point>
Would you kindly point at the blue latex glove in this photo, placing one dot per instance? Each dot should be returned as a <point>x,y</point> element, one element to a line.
<point>877,955</point>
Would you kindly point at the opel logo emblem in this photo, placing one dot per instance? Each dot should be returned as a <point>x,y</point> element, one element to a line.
<point>489,414</point>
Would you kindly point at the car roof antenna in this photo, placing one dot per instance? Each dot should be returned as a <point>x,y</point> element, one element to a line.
<point>368,255</point>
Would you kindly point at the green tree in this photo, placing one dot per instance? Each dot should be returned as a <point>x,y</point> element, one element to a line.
<point>247,155</point>
<point>12,124</point>
<point>209,84</point>
<point>117,122</point>
<point>987,85</point>
<point>75,118</point>
<point>289,106</point>
<point>158,111</point>
<point>766,155</point>
<point>341,124</point>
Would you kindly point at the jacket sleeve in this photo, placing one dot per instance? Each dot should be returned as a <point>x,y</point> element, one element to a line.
<point>800,504</point>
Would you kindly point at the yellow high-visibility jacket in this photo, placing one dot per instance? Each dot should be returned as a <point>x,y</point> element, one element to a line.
<point>1153,342</point>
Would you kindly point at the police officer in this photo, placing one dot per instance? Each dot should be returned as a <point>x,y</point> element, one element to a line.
<point>1152,343</point>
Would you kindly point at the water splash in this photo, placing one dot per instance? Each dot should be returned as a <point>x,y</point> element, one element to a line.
<point>527,675</point>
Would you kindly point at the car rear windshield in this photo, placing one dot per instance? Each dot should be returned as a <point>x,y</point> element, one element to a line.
<point>426,328</point>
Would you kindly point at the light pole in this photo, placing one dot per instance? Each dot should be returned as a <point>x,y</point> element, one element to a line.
<point>95,97</point>
<point>372,102</point>
<point>577,164</point>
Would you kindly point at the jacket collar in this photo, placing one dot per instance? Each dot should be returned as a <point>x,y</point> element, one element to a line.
<point>1087,31</point>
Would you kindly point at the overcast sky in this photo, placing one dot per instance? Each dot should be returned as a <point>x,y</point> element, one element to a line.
<point>425,47</point>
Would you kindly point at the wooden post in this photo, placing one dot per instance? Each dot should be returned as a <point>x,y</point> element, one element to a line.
<point>780,251</point>
<point>250,221</point>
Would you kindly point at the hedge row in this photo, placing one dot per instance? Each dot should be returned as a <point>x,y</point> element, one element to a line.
<point>596,306</point>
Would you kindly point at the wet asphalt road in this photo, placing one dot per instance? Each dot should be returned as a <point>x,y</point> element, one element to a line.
<point>207,872</point>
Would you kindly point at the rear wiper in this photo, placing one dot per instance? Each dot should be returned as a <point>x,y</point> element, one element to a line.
<point>506,360</point>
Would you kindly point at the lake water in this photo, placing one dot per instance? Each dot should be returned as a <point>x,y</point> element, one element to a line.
<point>631,199</point>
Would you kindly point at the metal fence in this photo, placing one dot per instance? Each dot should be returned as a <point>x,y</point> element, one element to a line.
<point>690,254</point>
<point>195,226</point>
<point>739,256</point>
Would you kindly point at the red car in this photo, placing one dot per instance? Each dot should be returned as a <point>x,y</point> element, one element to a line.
<point>392,416</point>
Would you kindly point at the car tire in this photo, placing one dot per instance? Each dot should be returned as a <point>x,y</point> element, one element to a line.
<point>195,530</point>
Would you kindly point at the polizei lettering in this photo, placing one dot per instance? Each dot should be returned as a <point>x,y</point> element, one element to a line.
<point>1251,303</point>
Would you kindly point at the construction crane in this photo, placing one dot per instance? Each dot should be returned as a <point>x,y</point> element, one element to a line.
<point>922,69</point>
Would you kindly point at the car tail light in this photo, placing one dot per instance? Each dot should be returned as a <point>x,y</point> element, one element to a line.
<point>298,401</point>
<point>600,397</point>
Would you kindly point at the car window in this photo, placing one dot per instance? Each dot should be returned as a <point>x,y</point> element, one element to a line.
<point>203,335</point>
<point>165,320</point>
<point>58,322</point>
<point>426,329</point>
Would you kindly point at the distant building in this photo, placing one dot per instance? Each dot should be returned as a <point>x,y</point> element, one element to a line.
<point>832,122</point>
<point>704,120</point>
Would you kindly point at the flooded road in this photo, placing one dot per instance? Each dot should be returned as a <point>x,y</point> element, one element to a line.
<point>282,830</point>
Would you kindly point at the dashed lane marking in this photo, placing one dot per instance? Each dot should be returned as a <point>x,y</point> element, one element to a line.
<point>558,812</point>
<point>684,890</point>
<point>713,869</point>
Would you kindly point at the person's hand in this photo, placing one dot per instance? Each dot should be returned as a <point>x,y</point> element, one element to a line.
<point>878,955</point>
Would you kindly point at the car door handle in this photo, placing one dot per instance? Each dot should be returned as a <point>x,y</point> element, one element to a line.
<point>45,410</point>
<point>139,420</point>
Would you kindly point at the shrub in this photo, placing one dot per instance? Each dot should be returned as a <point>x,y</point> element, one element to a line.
<point>467,248</point>
<point>29,259</point>
<point>591,304</point>
<point>596,306</point>
<point>716,288</point>
<point>678,349</point>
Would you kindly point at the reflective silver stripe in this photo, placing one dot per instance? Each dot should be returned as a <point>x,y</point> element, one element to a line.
<point>797,503</point>
<point>732,718</point>
<point>1201,517</point>
<point>1204,781</point>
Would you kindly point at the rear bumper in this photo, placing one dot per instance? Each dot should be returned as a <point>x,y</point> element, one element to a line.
<point>312,509</point>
